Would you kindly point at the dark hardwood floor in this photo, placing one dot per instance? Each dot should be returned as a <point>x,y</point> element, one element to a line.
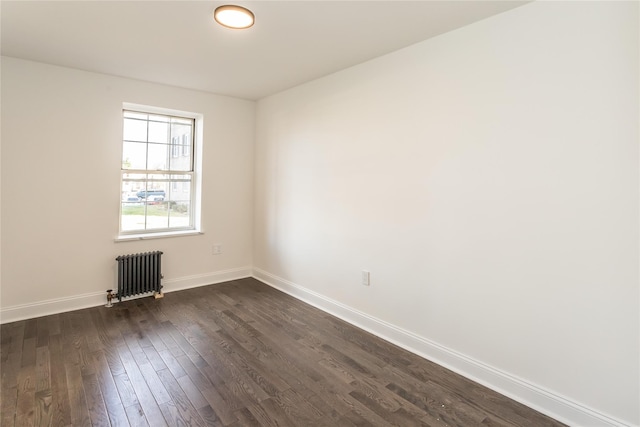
<point>233,354</point>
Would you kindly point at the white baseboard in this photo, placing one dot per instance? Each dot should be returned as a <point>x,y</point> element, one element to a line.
<point>188,282</point>
<point>61,305</point>
<point>52,306</point>
<point>544,401</point>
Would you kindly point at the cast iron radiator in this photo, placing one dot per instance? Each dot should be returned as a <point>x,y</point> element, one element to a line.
<point>139,274</point>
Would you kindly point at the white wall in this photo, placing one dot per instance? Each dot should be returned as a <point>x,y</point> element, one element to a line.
<point>488,179</point>
<point>61,154</point>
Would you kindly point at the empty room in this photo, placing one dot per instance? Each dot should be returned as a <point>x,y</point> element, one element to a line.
<point>320,213</point>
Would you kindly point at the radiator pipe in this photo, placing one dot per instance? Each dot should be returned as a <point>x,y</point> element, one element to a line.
<point>110,296</point>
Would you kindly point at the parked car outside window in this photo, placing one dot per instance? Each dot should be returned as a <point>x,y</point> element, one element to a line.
<point>144,194</point>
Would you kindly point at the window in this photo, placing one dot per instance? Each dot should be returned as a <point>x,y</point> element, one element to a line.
<point>158,173</point>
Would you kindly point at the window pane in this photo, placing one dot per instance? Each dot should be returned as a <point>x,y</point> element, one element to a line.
<point>135,130</point>
<point>175,147</point>
<point>180,130</point>
<point>181,162</point>
<point>180,203</point>
<point>157,214</point>
<point>179,215</point>
<point>158,157</point>
<point>181,135</point>
<point>155,191</point>
<point>130,191</point>
<point>180,192</point>
<point>134,155</point>
<point>133,216</point>
<point>158,132</point>
<point>162,186</point>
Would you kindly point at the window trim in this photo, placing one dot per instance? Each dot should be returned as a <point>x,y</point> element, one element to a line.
<point>196,173</point>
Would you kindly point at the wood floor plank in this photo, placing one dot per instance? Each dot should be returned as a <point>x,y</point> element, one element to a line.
<point>193,372</point>
<point>26,381</point>
<point>135,415</point>
<point>245,418</point>
<point>42,326</point>
<point>180,340</point>
<point>107,334</point>
<point>223,404</point>
<point>358,411</point>
<point>61,411</point>
<point>76,342</point>
<point>28,352</point>
<point>43,370</point>
<point>441,411</point>
<point>193,393</point>
<point>154,358</point>
<point>110,394</point>
<point>297,408</point>
<point>126,391</point>
<point>148,325</point>
<point>95,403</point>
<point>54,324</point>
<point>223,370</point>
<point>44,408</point>
<point>385,398</point>
<point>268,413</point>
<point>185,411</point>
<point>93,338</point>
<point>11,338</point>
<point>209,416</point>
<point>171,414</point>
<point>158,390</point>
<point>235,354</point>
<point>259,372</point>
<point>43,395</point>
<point>397,417</point>
<point>172,364</point>
<point>151,409</point>
<point>30,328</point>
<point>9,409</point>
<point>77,401</point>
<point>120,378</point>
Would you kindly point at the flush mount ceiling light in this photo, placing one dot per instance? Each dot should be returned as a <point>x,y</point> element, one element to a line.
<point>232,16</point>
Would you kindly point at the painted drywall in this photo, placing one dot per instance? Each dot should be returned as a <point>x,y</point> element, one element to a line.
<point>488,180</point>
<point>61,151</point>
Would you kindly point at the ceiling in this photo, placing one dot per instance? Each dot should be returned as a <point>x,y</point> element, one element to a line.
<point>178,43</point>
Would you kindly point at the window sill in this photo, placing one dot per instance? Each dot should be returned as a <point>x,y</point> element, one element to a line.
<point>162,235</point>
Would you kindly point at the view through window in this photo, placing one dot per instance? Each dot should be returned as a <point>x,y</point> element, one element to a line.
<point>157,173</point>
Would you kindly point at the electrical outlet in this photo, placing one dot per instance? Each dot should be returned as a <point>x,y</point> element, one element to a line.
<point>217,249</point>
<point>366,278</point>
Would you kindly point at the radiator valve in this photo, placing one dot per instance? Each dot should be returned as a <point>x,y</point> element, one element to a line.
<point>110,296</point>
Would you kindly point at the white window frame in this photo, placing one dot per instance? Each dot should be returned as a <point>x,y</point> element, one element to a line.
<point>196,182</point>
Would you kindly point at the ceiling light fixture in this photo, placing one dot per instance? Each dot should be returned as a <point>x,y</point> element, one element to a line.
<point>232,16</point>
